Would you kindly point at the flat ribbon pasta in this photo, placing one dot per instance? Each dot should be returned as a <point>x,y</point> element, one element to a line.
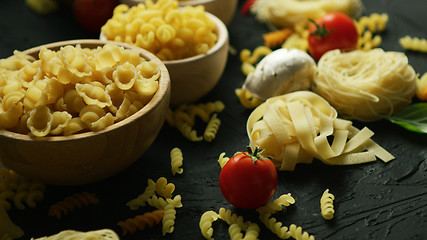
<point>297,127</point>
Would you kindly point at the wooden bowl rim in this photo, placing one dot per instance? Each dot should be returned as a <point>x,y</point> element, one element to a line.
<point>164,85</point>
<point>221,41</point>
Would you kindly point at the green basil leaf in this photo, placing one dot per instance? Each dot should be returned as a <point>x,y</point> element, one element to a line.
<point>412,118</point>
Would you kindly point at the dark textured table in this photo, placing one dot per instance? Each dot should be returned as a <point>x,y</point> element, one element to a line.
<point>373,201</point>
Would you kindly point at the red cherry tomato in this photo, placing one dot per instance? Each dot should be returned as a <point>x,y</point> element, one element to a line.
<point>248,180</point>
<point>332,31</point>
<point>93,14</point>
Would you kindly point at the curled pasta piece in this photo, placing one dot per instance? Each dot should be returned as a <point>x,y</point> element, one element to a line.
<point>276,205</point>
<point>141,200</point>
<point>161,203</point>
<point>70,203</point>
<point>40,121</point>
<point>103,122</point>
<point>247,99</point>
<point>413,43</point>
<point>222,160</point>
<point>93,95</point>
<point>188,132</point>
<point>73,101</point>
<point>212,128</point>
<point>366,85</point>
<point>91,113</point>
<point>74,125</point>
<point>141,221</point>
<point>59,121</point>
<point>163,188</point>
<point>205,223</point>
<point>125,76</point>
<point>327,205</point>
<point>75,61</point>
<point>176,161</point>
<point>27,198</point>
<point>10,118</point>
<point>9,228</point>
<point>253,57</point>
<point>168,220</point>
<point>296,232</point>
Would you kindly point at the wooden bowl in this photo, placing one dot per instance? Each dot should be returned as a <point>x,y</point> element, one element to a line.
<point>223,9</point>
<point>91,156</point>
<point>194,77</point>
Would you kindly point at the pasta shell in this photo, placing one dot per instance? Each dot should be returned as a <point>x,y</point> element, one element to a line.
<point>102,122</point>
<point>91,113</point>
<point>10,117</point>
<point>125,76</point>
<point>75,61</point>
<point>73,101</point>
<point>40,120</point>
<point>59,121</point>
<point>93,95</point>
<point>75,125</point>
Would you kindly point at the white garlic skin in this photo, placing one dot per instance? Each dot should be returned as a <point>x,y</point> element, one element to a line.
<point>282,71</point>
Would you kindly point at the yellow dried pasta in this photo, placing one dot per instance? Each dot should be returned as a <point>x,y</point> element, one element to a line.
<point>327,205</point>
<point>46,96</point>
<point>176,161</point>
<point>163,29</point>
<point>413,43</point>
<point>295,127</point>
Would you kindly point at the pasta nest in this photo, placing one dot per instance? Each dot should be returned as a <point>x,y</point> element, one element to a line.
<point>288,13</point>
<point>299,126</point>
<point>365,85</point>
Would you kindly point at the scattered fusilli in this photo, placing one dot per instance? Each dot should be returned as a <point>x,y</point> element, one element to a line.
<point>176,161</point>
<point>141,200</point>
<point>296,232</point>
<point>205,223</point>
<point>212,128</point>
<point>70,203</point>
<point>327,205</point>
<point>413,43</point>
<point>141,221</point>
<point>222,160</point>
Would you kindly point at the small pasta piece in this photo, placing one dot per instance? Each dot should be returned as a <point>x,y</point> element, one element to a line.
<point>327,205</point>
<point>205,223</point>
<point>141,221</point>
<point>188,132</point>
<point>296,232</point>
<point>91,113</point>
<point>253,57</point>
<point>9,228</point>
<point>247,99</point>
<point>40,120</point>
<point>163,188</point>
<point>74,125</point>
<point>274,226</point>
<point>222,160</point>
<point>93,95</point>
<point>125,76</point>
<point>168,220</point>
<point>413,43</point>
<point>176,161</point>
<point>59,121</point>
<point>161,203</point>
<point>141,200</point>
<point>70,203</point>
<point>212,128</point>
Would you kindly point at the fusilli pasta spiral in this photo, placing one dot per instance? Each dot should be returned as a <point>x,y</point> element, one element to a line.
<point>327,205</point>
<point>141,221</point>
<point>70,203</point>
<point>176,161</point>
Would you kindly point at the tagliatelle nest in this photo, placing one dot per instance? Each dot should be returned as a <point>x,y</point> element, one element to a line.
<point>298,126</point>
